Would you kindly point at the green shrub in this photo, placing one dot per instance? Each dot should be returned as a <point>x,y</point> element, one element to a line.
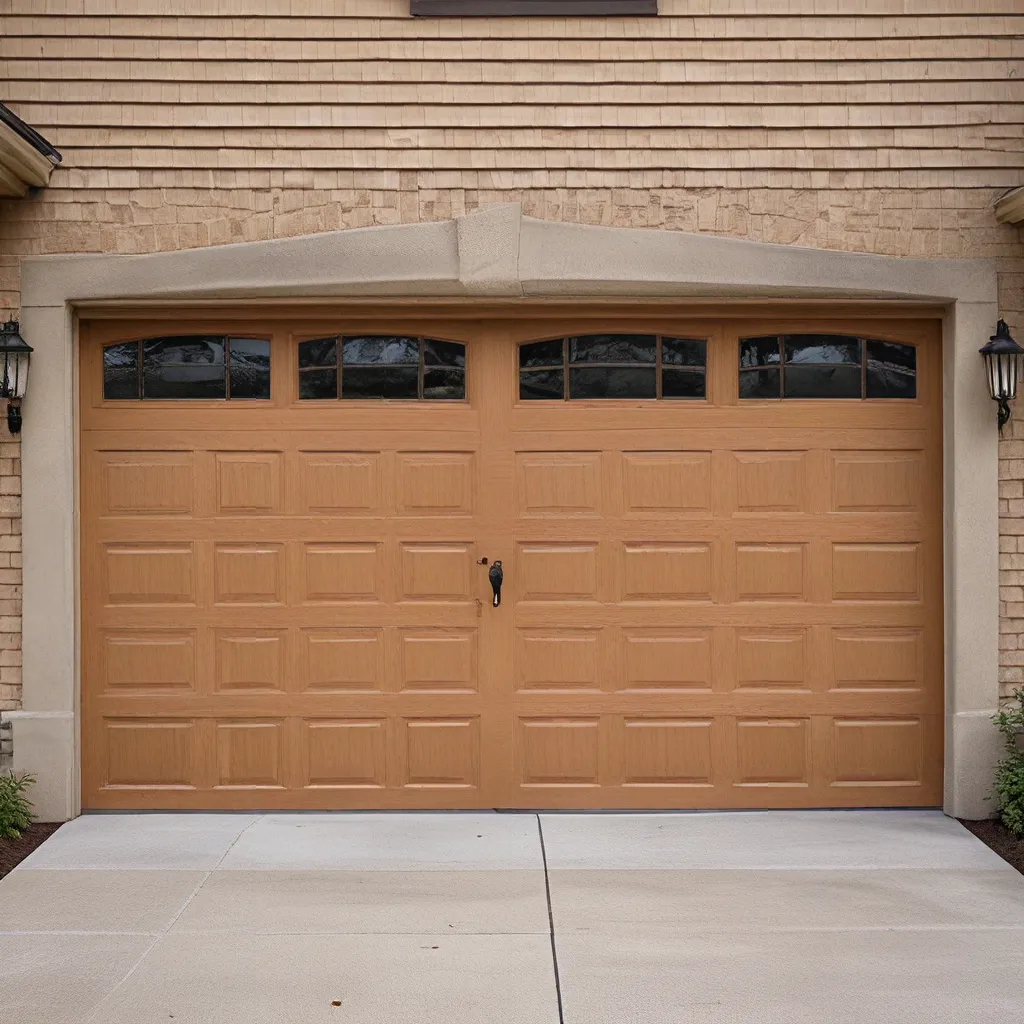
<point>15,807</point>
<point>1010,771</point>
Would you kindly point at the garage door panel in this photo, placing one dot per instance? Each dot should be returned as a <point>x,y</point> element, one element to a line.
<point>342,660</point>
<point>876,572</point>
<point>668,752</point>
<point>133,483</point>
<point>772,659</point>
<point>561,659</point>
<point>770,482</point>
<point>250,754</point>
<point>250,661</point>
<point>772,752</point>
<point>558,483</point>
<point>146,660</point>
<point>556,571</point>
<point>337,483</point>
<point>435,483</point>
<point>666,483</point>
<point>437,571</point>
<point>666,659</point>
<point>249,574</point>
<point>437,660</point>
<point>877,481</point>
<point>563,752</point>
<point>148,574</point>
<point>336,573</point>
<point>878,751</point>
<point>878,659</point>
<point>249,483</point>
<point>438,752</point>
<point>666,571</point>
<point>147,753</point>
<point>343,753</point>
<point>771,572</point>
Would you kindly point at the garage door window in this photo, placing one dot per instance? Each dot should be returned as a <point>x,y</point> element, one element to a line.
<point>826,366</point>
<point>613,366</point>
<point>187,367</point>
<point>382,366</point>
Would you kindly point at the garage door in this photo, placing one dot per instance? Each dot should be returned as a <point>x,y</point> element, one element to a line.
<point>720,542</point>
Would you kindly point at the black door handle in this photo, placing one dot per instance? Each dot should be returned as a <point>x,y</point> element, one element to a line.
<point>495,575</point>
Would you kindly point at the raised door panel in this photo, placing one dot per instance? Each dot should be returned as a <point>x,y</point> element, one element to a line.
<point>667,482</point>
<point>438,660</point>
<point>666,572</point>
<point>440,753</point>
<point>249,483</point>
<point>876,572</point>
<point>344,753</point>
<point>145,483</point>
<point>342,660</point>
<point>667,752</point>
<point>250,661</point>
<point>435,483</point>
<point>147,661</point>
<point>438,572</point>
<point>559,752</point>
<point>879,481</point>
<point>339,483</point>
<point>558,659</point>
<point>250,754</point>
<point>340,573</point>
<point>771,482</point>
<point>249,574</point>
<point>149,574</point>
<point>558,483</point>
<point>556,571</point>
<point>147,753</point>
<point>667,659</point>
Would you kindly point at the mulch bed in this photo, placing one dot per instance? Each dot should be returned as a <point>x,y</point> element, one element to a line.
<point>995,836</point>
<point>14,851</point>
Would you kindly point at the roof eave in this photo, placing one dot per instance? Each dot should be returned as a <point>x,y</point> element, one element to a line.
<point>1010,206</point>
<point>26,159</point>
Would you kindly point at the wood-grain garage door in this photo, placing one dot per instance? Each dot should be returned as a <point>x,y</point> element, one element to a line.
<point>721,543</point>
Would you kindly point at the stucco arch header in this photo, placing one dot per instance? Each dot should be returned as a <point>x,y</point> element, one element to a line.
<point>500,254</point>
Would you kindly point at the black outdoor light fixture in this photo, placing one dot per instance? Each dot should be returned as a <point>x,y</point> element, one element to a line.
<point>1002,361</point>
<point>16,355</point>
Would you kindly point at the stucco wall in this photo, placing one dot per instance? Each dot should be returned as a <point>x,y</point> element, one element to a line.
<point>862,125</point>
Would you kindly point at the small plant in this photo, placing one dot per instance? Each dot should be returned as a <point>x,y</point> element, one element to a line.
<point>15,807</point>
<point>1010,770</point>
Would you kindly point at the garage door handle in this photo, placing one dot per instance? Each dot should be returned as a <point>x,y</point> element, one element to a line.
<point>495,575</point>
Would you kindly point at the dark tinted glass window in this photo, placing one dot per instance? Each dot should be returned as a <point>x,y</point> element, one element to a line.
<point>542,353</point>
<point>184,368</point>
<point>188,367</point>
<point>822,348</point>
<point>249,368</point>
<point>760,352</point>
<point>759,383</point>
<point>613,382</point>
<point>892,370</point>
<point>318,352</point>
<point>545,384</point>
<point>620,366</point>
<point>613,348</point>
<point>382,366</point>
<point>380,351</point>
<point>826,366</point>
<point>121,370</point>
<point>318,384</point>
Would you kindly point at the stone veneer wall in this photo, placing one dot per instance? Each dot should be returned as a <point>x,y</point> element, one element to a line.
<point>864,125</point>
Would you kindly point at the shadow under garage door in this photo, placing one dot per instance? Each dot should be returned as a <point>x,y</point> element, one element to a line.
<point>720,540</point>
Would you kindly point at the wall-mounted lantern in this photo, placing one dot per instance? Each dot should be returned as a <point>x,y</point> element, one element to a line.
<point>1002,363</point>
<point>15,355</point>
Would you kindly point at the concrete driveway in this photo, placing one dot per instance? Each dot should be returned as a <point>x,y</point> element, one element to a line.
<point>777,918</point>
